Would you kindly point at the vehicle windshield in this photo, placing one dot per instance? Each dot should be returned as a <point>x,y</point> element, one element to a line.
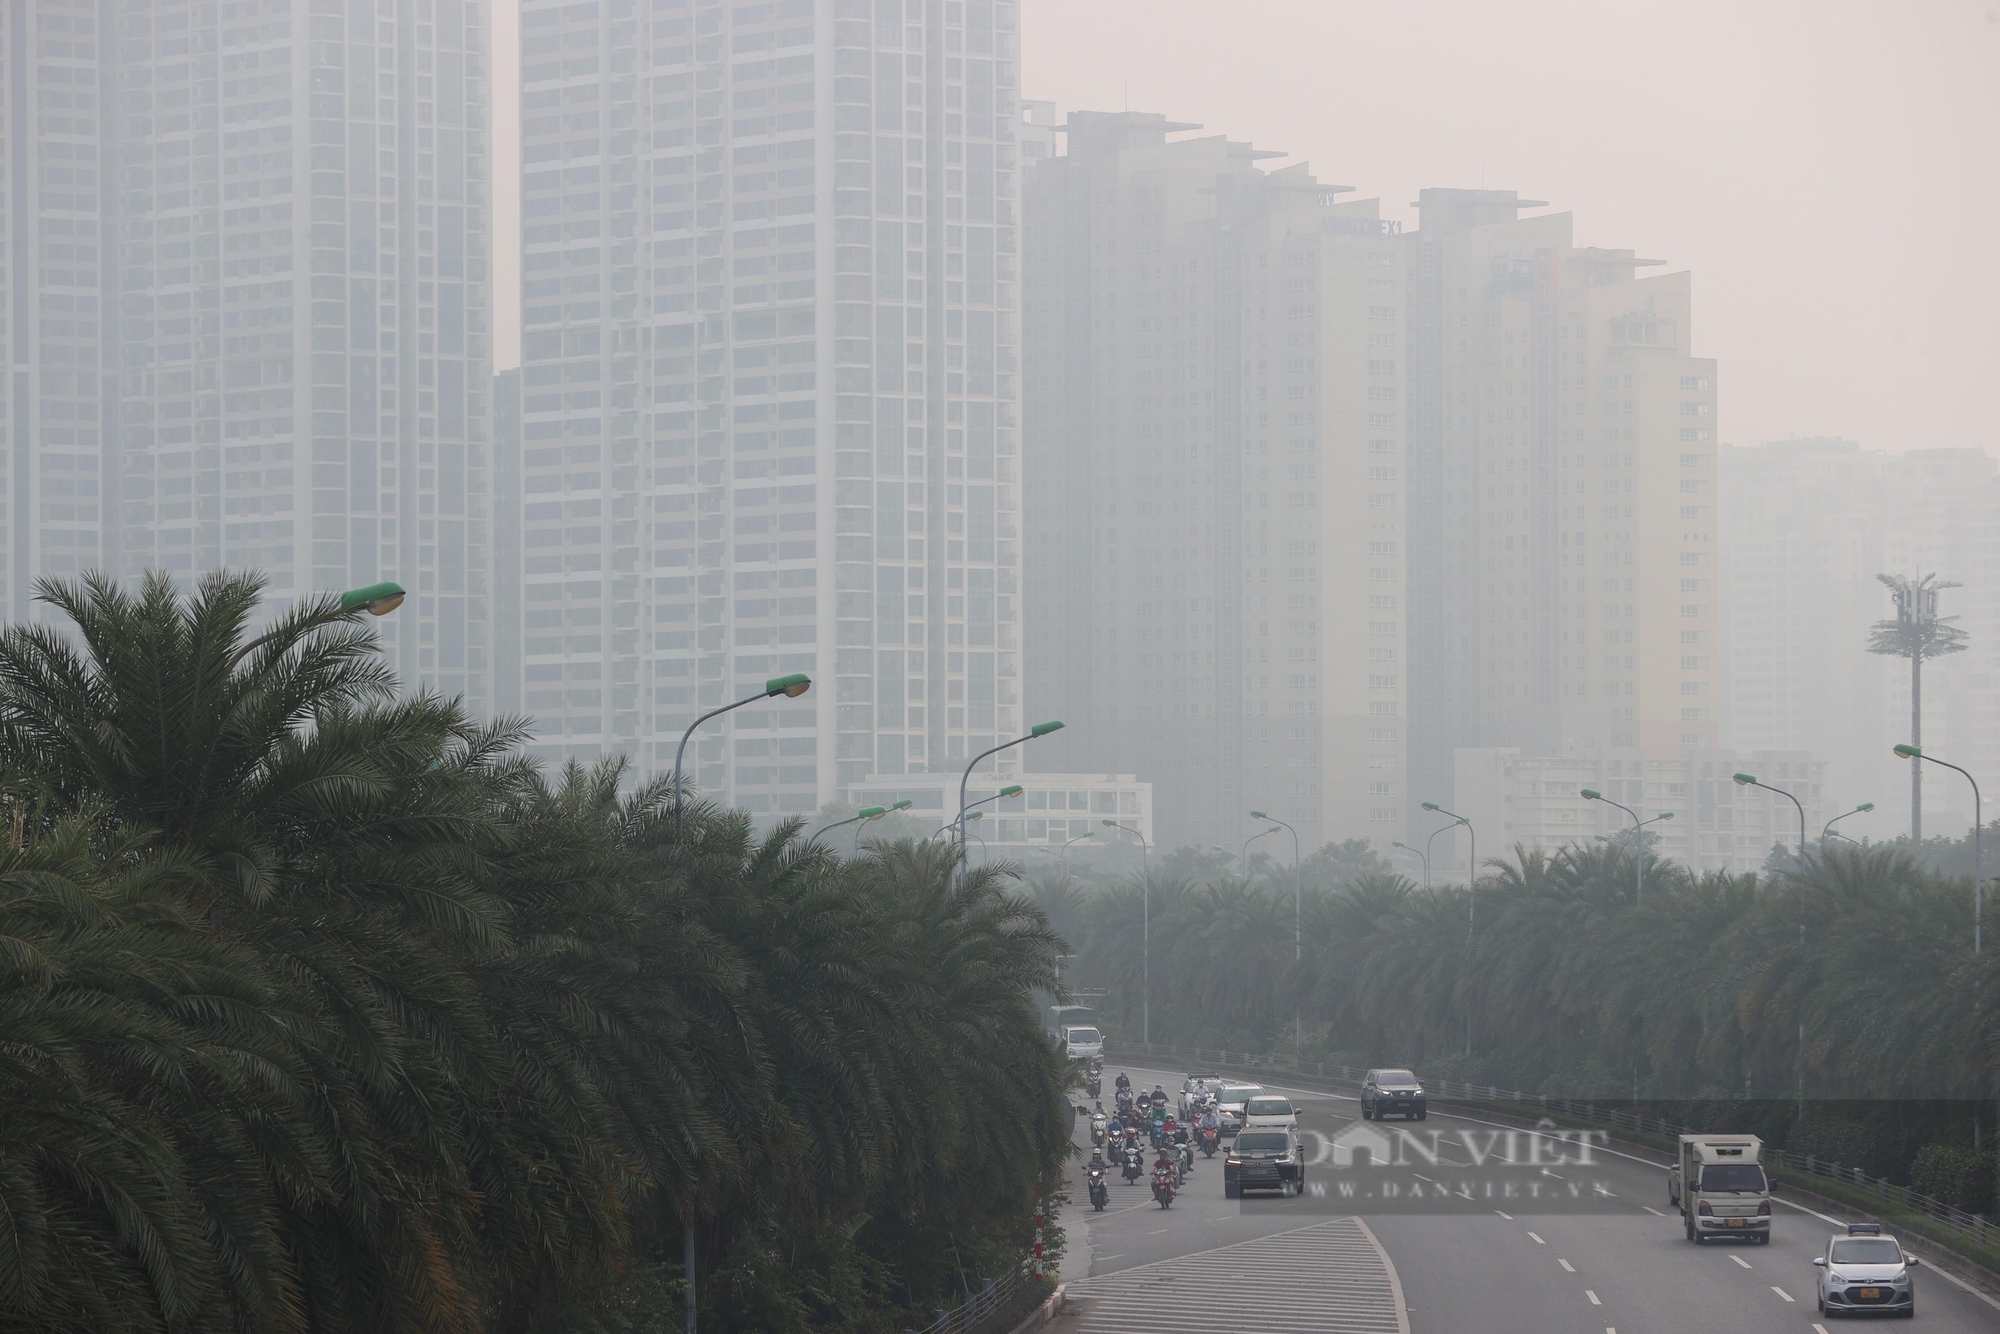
<point>1867,1251</point>
<point>1083,1035</point>
<point>1237,1095</point>
<point>1395,1077</point>
<point>1268,1107</point>
<point>1732,1176</point>
<point>1259,1140</point>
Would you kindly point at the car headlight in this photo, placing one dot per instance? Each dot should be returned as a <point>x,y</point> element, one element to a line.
<point>1835,1278</point>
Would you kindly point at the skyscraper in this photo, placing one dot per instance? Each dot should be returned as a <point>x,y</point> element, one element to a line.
<point>1214,463</point>
<point>1562,492</point>
<point>289,242</point>
<point>769,384</point>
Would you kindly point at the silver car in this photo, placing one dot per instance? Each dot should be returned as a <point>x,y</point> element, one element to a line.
<point>1863,1270</point>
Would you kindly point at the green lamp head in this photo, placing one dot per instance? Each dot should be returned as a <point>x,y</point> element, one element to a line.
<point>1865,806</point>
<point>1910,752</point>
<point>870,812</point>
<point>376,599</point>
<point>1013,791</point>
<point>1430,805</point>
<point>903,805</point>
<point>1592,794</point>
<point>1745,780</point>
<point>791,687</point>
<point>1043,729</point>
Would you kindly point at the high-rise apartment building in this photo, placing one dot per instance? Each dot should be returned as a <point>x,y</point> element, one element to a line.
<point>249,300</point>
<point>770,376</point>
<point>1806,526</point>
<point>1562,491</point>
<point>1214,463</point>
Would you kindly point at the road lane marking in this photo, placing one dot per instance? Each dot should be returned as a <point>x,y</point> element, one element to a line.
<point>1651,1210</point>
<point>1740,1260</point>
<point>1509,1217</point>
<point>1782,1293</point>
<point>1161,1233</point>
<point>1593,1297</point>
<point>1568,1268</point>
<point>1538,1238</point>
<point>1818,1328</point>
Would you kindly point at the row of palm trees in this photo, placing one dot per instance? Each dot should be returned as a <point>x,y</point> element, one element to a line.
<point>1850,975</point>
<point>323,1010</point>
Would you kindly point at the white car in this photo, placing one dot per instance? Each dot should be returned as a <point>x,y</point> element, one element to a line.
<point>1269,1111</point>
<point>1229,1102</point>
<point>1080,1042</point>
<point>1863,1270</point>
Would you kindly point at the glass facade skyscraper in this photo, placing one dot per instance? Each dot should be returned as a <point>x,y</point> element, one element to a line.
<point>770,384</point>
<point>267,342</point>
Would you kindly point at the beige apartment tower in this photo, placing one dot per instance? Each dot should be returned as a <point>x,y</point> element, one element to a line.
<point>1213,474</point>
<point>1562,456</point>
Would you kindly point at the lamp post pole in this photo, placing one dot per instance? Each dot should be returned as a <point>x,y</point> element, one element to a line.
<point>1978,819</point>
<point>1245,858</point>
<point>1639,848</point>
<point>1146,930</point>
<point>1423,857</point>
<point>1038,730</point>
<point>1062,859</point>
<point>1750,780</point>
<point>865,813</point>
<point>1298,917</point>
<point>791,687</point>
<point>1472,897</point>
<point>1863,808</point>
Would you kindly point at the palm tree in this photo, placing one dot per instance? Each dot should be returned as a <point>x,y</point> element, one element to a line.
<point>1916,633</point>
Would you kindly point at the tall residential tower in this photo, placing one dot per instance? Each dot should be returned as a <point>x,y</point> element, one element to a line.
<point>769,385</point>
<point>1214,465</point>
<point>249,302</point>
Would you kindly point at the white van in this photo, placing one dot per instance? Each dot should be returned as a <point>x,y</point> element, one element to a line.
<point>1718,1184</point>
<point>1080,1043</point>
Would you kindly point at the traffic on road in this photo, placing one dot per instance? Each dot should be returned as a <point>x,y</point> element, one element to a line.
<point>1594,1236</point>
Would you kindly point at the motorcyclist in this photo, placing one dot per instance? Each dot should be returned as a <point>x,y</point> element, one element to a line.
<point>1183,1147</point>
<point>1123,1083</point>
<point>1209,1119</point>
<point>1200,1091</point>
<point>1159,1096</point>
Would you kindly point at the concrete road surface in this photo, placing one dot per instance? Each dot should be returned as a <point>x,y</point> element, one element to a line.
<point>1462,1266</point>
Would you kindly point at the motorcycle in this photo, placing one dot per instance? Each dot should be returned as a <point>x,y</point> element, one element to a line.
<point>1210,1141</point>
<point>1123,1102</point>
<point>1094,1087</point>
<point>1135,1164</point>
<point>1097,1125</point>
<point>1183,1160</point>
<point>1100,1194</point>
<point>1163,1188</point>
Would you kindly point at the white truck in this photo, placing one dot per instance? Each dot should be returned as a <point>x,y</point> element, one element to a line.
<point>1718,1184</point>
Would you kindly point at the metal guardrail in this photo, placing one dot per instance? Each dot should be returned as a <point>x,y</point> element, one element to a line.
<point>1976,1227</point>
<point>977,1307</point>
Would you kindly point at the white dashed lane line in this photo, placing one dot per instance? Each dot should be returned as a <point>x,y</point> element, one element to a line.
<point>1740,1260</point>
<point>1782,1293</point>
<point>1538,1238</point>
<point>1593,1297</point>
<point>1568,1268</point>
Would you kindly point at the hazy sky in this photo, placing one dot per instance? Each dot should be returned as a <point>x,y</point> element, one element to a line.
<point>1829,170</point>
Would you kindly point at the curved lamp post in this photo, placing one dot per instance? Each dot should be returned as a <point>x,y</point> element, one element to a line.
<point>1298,947</point>
<point>1639,851</point>
<point>1146,930</point>
<point>865,813</point>
<point>1862,809</point>
<point>791,687</point>
<point>1978,890</point>
<point>1038,730</point>
<point>902,805</point>
<point>1423,857</point>
<point>1750,780</point>
<point>1245,858</point>
<point>1472,898</point>
<point>959,824</point>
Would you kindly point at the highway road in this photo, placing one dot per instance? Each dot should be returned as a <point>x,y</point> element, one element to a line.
<point>1618,1265</point>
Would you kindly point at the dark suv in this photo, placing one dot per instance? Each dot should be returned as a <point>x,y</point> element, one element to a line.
<point>1265,1159</point>
<point>1397,1091</point>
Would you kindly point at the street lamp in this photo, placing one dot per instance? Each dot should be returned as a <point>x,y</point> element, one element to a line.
<point>1038,730</point>
<point>1978,890</point>
<point>1245,858</point>
<point>1146,930</point>
<point>1750,780</point>
<point>1472,879</point>
<point>956,824</point>
<point>1862,809</point>
<point>1423,857</point>
<point>1638,852</point>
<point>791,687</point>
<point>865,813</point>
<point>1298,947</point>
<point>375,599</point>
